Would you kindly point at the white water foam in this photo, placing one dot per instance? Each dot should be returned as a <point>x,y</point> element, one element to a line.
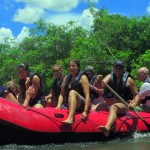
<point>138,135</point>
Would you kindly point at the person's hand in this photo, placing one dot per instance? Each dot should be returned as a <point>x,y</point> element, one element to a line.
<point>131,105</point>
<point>84,115</point>
<point>47,98</point>
<point>91,87</point>
<point>99,78</point>
<point>30,92</point>
<point>57,107</point>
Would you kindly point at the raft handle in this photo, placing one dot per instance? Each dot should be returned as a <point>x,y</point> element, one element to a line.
<point>58,115</point>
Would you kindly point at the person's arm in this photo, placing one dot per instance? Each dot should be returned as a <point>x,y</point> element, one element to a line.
<point>85,85</point>
<point>50,95</point>
<point>29,94</point>
<point>97,86</point>
<point>35,85</point>
<point>134,90</point>
<point>62,94</point>
<point>9,96</point>
<point>106,80</point>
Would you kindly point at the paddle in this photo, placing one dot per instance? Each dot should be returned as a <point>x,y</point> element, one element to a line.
<point>124,102</point>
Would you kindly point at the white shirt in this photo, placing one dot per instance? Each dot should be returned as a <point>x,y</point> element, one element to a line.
<point>145,91</point>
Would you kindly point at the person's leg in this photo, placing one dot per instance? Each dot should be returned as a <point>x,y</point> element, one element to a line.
<point>74,102</point>
<point>117,108</point>
<point>52,102</point>
<point>41,103</point>
<point>38,106</point>
<point>9,96</point>
<point>99,107</point>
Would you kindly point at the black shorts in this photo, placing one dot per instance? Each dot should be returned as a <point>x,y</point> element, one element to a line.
<point>82,105</point>
<point>42,101</point>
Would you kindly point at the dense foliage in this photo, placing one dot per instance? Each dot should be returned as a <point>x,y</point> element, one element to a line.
<point>111,37</point>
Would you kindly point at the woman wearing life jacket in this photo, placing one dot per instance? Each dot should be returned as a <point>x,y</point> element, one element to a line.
<point>75,91</point>
<point>143,75</point>
<point>125,87</point>
<point>96,92</point>
<point>30,80</point>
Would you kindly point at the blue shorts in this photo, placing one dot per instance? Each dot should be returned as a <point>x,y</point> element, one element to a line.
<point>2,89</point>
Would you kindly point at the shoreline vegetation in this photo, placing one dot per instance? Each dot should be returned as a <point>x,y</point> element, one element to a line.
<point>111,37</point>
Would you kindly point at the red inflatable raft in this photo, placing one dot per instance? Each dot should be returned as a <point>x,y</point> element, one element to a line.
<point>38,126</point>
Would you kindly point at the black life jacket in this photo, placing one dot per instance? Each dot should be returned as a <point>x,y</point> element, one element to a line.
<point>121,90</point>
<point>93,94</point>
<point>75,84</point>
<point>147,97</point>
<point>56,86</point>
<point>23,89</point>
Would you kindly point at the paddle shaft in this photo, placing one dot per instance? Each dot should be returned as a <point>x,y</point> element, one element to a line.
<point>121,99</point>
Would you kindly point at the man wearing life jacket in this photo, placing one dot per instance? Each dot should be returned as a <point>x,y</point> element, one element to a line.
<point>143,75</point>
<point>30,80</point>
<point>125,87</point>
<point>96,92</point>
<point>52,97</point>
<point>75,91</point>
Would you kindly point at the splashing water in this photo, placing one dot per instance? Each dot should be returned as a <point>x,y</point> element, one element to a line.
<point>138,135</point>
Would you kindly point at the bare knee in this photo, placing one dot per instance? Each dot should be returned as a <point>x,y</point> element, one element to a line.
<point>38,106</point>
<point>72,94</point>
<point>113,108</point>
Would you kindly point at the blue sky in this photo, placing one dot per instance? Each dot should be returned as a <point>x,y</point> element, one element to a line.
<point>17,16</point>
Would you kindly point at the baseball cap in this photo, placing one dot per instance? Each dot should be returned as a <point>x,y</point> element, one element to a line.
<point>119,63</point>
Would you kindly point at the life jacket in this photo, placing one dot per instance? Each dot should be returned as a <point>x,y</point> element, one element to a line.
<point>93,94</point>
<point>121,90</point>
<point>75,85</point>
<point>56,86</point>
<point>23,89</point>
<point>147,97</point>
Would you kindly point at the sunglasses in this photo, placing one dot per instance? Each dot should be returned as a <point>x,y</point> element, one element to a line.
<point>56,71</point>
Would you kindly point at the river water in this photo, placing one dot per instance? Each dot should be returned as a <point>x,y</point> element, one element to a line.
<point>139,141</point>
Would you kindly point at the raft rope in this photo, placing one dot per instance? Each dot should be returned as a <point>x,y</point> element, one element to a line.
<point>52,118</point>
<point>78,120</point>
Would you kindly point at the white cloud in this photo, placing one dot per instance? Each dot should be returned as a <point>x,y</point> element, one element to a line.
<point>57,5</point>
<point>23,34</point>
<point>36,9</point>
<point>62,19</point>
<point>85,19</point>
<point>148,9</point>
<point>5,33</point>
<point>28,15</point>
